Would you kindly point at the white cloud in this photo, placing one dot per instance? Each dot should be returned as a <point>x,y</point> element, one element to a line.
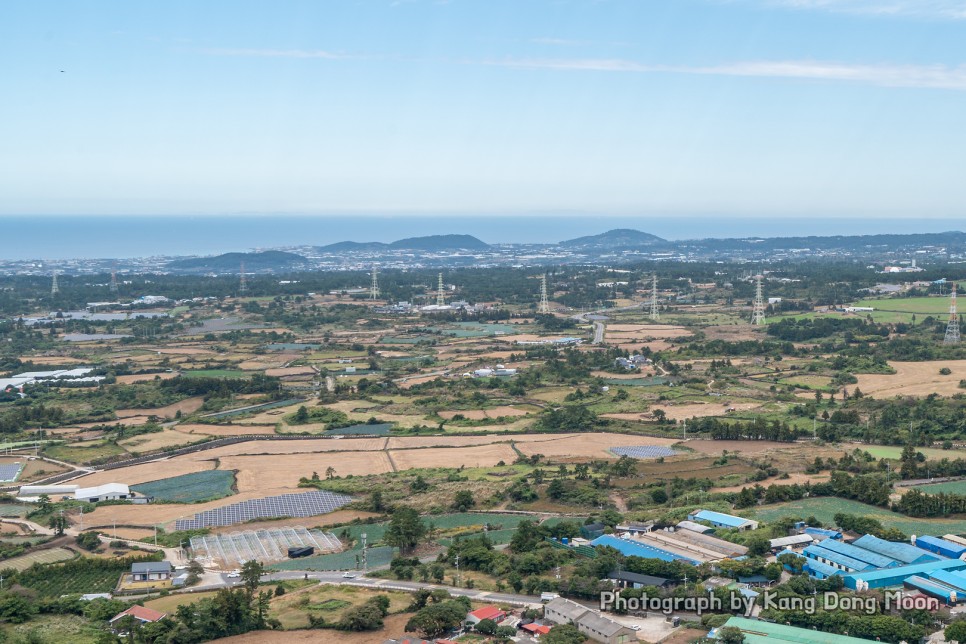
<point>925,76</point>
<point>949,9</point>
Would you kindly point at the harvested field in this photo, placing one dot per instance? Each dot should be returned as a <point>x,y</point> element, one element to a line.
<point>257,473</point>
<point>186,406</point>
<point>129,421</point>
<point>914,379</point>
<point>480,414</point>
<point>150,471</point>
<point>158,440</point>
<point>393,624</point>
<point>583,446</point>
<point>37,468</point>
<point>145,377</point>
<point>133,534</point>
<point>746,447</point>
<point>476,456</point>
<point>290,371</point>
<point>793,479</point>
<point>51,555</point>
<point>184,351</point>
<point>306,446</point>
<point>700,410</point>
<point>225,430</point>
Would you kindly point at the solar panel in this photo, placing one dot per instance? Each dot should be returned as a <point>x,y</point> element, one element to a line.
<point>9,471</point>
<point>644,451</point>
<point>307,504</point>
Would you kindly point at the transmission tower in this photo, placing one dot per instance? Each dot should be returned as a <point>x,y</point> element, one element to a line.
<point>114,278</point>
<point>374,289</point>
<point>654,312</point>
<point>544,301</point>
<point>243,284</point>
<point>54,289</point>
<point>758,315</point>
<point>952,327</point>
<point>440,300</point>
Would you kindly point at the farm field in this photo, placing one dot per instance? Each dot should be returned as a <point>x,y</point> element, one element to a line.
<point>201,429</point>
<point>52,629</point>
<point>949,487</point>
<point>475,456</point>
<point>921,305</point>
<point>825,508</point>
<point>584,446</point>
<point>189,488</point>
<point>915,379</point>
<point>894,452</point>
<point>51,555</point>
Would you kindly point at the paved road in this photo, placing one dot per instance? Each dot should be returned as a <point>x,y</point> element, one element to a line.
<point>599,332</point>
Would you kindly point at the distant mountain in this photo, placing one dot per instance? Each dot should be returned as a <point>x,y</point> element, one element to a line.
<point>269,260</point>
<point>614,239</point>
<point>432,243</point>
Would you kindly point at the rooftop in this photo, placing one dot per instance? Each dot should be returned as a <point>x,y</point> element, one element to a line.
<point>722,518</point>
<point>757,632</point>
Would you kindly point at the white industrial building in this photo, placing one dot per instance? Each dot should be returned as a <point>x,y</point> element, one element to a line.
<point>106,492</point>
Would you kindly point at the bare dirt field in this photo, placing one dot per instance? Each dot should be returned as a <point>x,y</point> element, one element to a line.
<point>226,430</point>
<point>476,456</point>
<point>130,421</point>
<point>595,445</point>
<point>653,345</point>
<point>184,351</point>
<point>37,468</point>
<point>48,360</point>
<point>306,446</point>
<point>645,331</point>
<point>793,479</point>
<point>915,379</point>
<point>145,377</point>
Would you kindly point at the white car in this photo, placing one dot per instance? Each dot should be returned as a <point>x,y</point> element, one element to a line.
<point>348,575</point>
<point>233,575</point>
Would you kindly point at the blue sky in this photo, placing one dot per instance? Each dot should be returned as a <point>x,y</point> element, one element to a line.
<point>771,108</point>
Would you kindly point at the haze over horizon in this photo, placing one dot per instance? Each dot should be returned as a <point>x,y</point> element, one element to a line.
<point>778,109</point>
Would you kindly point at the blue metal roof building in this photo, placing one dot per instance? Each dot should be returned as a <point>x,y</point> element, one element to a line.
<point>836,560</point>
<point>895,576</point>
<point>941,546</point>
<point>822,532</point>
<point>935,590</point>
<point>899,551</point>
<point>635,549</point>
<point>721,520</point>
<point>819,570</point>
<point>874,559</point>
<point>953,579</point>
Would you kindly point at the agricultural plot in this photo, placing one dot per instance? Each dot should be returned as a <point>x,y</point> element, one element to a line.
<point>189,488</point>
<point>53,555</point>
<point>950,487</point>
<point>915,379</point>
<point>75,577</point>
<point>825,508</point>
<point>306,504</point>
<point>894,452</point>
<point>644,451</point>
<point>10,472</point>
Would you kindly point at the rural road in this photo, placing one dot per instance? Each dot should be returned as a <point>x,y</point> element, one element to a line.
<point>598,332</point>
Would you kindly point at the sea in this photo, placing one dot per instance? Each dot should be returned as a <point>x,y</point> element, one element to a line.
<point>49,237</point>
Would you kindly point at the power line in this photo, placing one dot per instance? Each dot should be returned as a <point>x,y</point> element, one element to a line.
<point>758,315</point>
<point>952,327</point>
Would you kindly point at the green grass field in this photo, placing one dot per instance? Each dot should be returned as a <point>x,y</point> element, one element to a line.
<point>950,487</point>
<point>190,488</point>
<point>932,453</point>
<point>924,305</point>
<point>825,508</point>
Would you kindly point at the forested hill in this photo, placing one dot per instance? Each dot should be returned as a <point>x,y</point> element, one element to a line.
<point>431,243</point>
<point>270,260</point>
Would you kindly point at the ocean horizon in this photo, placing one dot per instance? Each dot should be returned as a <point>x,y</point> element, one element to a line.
<point>56,237</point>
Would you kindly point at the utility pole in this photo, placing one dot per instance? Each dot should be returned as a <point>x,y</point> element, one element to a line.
<point>365,562</point>
<point>458,578</point>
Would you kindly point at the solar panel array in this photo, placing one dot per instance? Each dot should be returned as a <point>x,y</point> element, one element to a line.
<point>263,545</point>
<point>10,471</point>
<point>643,451</point>
<point>307,504</point>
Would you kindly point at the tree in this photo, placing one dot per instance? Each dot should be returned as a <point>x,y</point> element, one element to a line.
<point>251,575</point>
<point>730,635</point>
<point>88,540</point>
<point>956,631</point>
<point>15,609</point>
<point>435,619</point>
<point>564,634</point>
<point>301,416</point>
<point>405,529</point>
<point>58,523</point>
<point>329,472</point>
<point>658,495</point>
<point>486,626</point>
<point>757,546</point>
<point>463,501</point>
<point>43,504</point>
